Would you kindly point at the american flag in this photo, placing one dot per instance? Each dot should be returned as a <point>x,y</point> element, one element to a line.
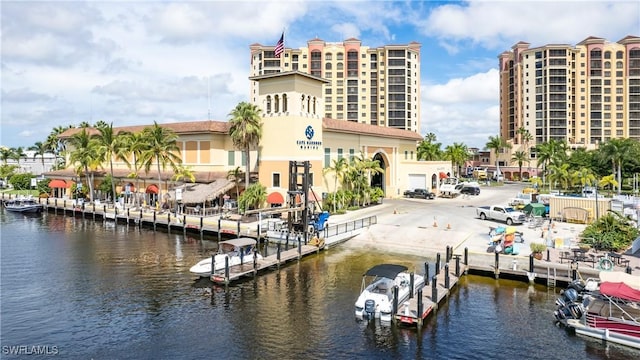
<point>279,46</point>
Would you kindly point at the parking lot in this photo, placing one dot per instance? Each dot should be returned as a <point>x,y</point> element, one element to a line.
<point>426,227</point>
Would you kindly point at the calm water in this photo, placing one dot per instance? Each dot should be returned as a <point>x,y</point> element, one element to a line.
<point>83,290</point>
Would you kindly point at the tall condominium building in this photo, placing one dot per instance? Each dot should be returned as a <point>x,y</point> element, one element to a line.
<point>377,86</point>
<point>584,94</point>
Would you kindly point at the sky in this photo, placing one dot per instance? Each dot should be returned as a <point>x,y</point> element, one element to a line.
<point>136,62</point>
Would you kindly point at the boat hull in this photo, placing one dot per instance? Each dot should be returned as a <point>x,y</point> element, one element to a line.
<point>376,300</point>
<point>609,330</point>
<point>203,267</point>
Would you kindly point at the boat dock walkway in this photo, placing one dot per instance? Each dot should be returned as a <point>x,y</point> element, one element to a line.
<point>436,289</point>
<point>237,272</point>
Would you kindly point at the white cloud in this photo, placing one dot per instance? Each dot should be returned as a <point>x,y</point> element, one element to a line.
<point>462,110</point>
<point>492,24</point>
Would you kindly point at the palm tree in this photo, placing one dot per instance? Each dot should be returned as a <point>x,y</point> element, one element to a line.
<point>235,175</point>
<point>559,173</point>
<point>367,167</point>
<point>585,177</point>
<point>55,146</point>
<point>457,154</point>
<point>429,149</point>
<point>133,145</point>
<point>246,131</point>
<point>5,154</point>
<point>162,148</point>
<point>339,167</point>
<point>551,151</point>
<point>17,154</point>
<point>520,157</point>
<point>617,151</point>
<point>183,173</point>
<point>39,149</point>
<point>84,155</point>
<point>609,180</point>
<point>110,145</point>
<point>497,144</point>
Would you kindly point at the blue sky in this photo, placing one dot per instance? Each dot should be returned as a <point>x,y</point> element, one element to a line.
<point>133,63</point>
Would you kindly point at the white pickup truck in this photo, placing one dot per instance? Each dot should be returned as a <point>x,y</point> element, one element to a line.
<point>501,213</point>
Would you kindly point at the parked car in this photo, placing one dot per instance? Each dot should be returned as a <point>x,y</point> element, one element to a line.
<point>420,193</point>
<point>500,213</point>
<point>470,190</point>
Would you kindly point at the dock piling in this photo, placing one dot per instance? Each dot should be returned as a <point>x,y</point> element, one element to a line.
<point>427,278</point>
<point>446,276</point>
<point>437,263</point>
<point>411,284</point>
<point>434,291</point>
<point>394,308</point>
<point>496,266</point>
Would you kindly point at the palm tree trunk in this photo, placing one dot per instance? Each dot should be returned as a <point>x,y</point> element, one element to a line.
<point>247,176</point>
<point>113,183</point>
<point>159,180</point>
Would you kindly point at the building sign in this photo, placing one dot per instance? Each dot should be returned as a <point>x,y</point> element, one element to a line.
<point>308,143</point>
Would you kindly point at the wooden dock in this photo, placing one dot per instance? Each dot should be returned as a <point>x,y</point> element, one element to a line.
<point>436,290</point>
<point>237,272</point>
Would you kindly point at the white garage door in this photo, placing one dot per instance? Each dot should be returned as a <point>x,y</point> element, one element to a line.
<point>417,181</point>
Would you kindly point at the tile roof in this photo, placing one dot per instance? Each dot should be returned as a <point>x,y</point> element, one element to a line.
<point>353,127</point>
<point>184,127</point>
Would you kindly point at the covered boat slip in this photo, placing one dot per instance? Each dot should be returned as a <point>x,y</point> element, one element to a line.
<point>389,271</point>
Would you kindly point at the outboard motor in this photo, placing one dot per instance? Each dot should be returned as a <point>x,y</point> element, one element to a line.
<point>369,309</point>
<point>570,295</point>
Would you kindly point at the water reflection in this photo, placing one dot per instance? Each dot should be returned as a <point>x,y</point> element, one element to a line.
<point>99,290</point>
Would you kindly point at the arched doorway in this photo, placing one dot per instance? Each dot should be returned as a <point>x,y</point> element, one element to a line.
<point>378,180</point>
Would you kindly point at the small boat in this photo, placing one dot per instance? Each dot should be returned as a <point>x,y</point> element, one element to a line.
<point>608,309</point>
<point>376,297</point>
<point>238,251</point>
<point>23,205</point>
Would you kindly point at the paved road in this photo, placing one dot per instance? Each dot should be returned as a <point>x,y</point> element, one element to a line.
<point>426,227</point>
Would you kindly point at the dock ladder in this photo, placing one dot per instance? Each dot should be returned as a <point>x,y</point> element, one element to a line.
<point>551,280</point>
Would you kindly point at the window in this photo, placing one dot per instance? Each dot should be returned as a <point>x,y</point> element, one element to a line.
<point>231,158</point>
<point>244,159</point>
<point>327,157</point>
<point>339,153</point>
<point>275,180</point>
<point>352,155</point>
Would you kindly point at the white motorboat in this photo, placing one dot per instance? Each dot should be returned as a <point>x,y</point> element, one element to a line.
<point>238,251</point>
<point>23,205</point>
<point>376,298</point>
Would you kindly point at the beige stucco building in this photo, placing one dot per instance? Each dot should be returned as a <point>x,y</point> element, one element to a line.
<point>293,130</point>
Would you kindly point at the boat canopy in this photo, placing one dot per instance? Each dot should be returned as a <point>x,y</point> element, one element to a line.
<point>620,290</point>
<point>632,281</point>
<point>239,242</point>
<point>389,271</point>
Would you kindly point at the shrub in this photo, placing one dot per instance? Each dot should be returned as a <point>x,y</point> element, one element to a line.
<point>537,247</point>
<point>610,232</point>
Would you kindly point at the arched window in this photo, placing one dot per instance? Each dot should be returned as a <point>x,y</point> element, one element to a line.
<point>268,104</point>
<point>607,54</point>
<point>607,64</point>
<point>619,54</point>
<point>339,66</point>
<point>285,106</point>
<point>302,102</point>
<point>327,66</point>
<point>314,105</point>
<point>277,104</point>
<point>327,56</point>
<point>308,103</point>
<point>619,65</point>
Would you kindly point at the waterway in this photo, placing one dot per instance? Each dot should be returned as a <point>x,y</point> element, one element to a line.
<point>80,289</point>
